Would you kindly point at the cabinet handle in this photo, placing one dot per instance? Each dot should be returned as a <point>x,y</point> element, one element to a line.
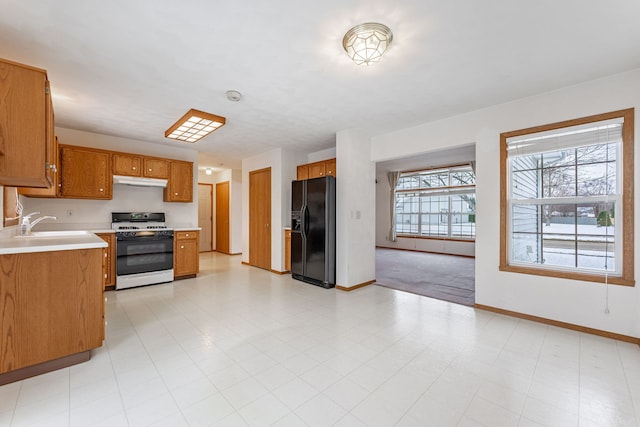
<point>101,190</point>
<point>149,169</point>
<point>51,167</point>
<point>187,235</point>
<point>134,168</point>
<point>105,255</point>
<point>175,194</point>
<point>181,246</point>
<point>105,275</point>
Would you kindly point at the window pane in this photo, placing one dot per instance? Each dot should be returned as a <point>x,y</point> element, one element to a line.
<point>559,182</point>
<point>526,184</point>
<point>559,158</point>
<point>436,179</point>
<point>521,163</point>
<point>435,225</point>
<point>596,179</point>
<point>593,254</point>
<point>462,177</point>
<point>596,153</point>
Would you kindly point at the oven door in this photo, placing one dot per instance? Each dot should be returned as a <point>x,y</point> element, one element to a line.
<point>142,252</point>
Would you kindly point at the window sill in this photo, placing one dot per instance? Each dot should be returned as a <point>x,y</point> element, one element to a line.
<point>449,239</point>
<point>613,280</point>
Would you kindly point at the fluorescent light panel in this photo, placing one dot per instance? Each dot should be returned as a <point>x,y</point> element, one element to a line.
<point>194,125</point>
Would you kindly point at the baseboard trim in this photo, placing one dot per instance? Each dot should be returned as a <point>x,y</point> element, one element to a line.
<point>279,272</point>
<point>573,327</point>
<point>353,288</point>
<point>41,368</point>
<point>246,263</point>
<point>427,252</point>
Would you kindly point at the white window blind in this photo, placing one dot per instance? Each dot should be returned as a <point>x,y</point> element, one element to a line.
<point>606,131</point>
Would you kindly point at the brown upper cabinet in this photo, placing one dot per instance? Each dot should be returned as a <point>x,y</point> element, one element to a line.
<point>137,165</point>
<point>86,173</point>
<point>180,185</point>
<point>127,164</point>
<point>54,189</point>
<point>157,168</point>
<point>26,127</point>
<point>317,169</point>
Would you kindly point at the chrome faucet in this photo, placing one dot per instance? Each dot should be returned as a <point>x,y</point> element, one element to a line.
<point>27,224</point>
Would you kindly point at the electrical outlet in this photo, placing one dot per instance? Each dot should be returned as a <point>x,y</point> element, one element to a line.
<point>69,212</point>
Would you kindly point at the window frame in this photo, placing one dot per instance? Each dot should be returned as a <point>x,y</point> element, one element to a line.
<point>449,169</point>
<point>626,277</point>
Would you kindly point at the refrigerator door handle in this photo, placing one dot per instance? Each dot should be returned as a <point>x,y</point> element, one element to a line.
<point>305,221</point>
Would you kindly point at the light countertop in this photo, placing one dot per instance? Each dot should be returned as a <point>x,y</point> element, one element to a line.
<point>47,242</point>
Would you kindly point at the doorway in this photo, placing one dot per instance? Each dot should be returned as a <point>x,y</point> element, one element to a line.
<point>260,218</point>
<point>222,217</point>
<point>425,229</point>
<point>205,218</point>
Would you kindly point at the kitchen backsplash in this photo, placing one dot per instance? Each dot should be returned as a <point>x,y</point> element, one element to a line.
<point>125,199</point>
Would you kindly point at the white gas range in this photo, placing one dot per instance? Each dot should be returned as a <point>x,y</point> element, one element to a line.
<point>144,249</point>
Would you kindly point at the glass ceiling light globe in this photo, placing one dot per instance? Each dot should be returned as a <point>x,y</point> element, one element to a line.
<point>365,43</point>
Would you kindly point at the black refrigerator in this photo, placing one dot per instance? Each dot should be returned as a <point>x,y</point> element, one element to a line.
<point>313,231</point>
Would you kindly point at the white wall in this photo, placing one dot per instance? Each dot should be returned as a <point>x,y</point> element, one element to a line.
<point>383,220</point>
<point>355,210</point>
<point>572,301</point>
<point>125,198</point>
<point>318,156</point>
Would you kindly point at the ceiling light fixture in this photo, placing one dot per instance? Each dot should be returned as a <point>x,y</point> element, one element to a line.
<point>208,171</point>
<point>194,125</point>
<point>365,43</point>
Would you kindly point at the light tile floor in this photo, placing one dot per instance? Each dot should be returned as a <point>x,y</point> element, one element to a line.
<point>240,346</point>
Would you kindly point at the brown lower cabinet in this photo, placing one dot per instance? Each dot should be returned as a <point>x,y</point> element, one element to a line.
<point>109,264</point>
<point>186,253</point>
<point>287,250</point>
<point>52,310</point>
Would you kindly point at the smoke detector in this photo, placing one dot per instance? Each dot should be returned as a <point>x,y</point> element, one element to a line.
<point>233,95</point>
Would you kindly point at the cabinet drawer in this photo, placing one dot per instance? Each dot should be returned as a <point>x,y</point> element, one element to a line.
<point>182,235</point>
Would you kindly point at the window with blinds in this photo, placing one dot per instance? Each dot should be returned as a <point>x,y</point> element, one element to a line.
<point>437,203</point>
<point>564,197</point>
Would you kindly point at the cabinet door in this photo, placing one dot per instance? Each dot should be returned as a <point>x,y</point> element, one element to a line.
<point>23,126</point>
<point>125,164</point>
<point>330,167</point>
<point>108,268</point>
<point>54,189</point>
<point>316,170</point>
<point>180,185</point>
<point>156,168</point>
<point>303,172</point>
<point>287,250</point>
<point>86,173</point>
<point>186,254</point>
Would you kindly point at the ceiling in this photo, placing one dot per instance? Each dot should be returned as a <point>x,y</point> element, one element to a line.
<point>131,68</point>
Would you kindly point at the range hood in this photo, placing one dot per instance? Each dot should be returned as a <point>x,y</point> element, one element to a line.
<point>139,181</point>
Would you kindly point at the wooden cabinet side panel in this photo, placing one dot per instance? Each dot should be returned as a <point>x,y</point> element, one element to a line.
<point>52,306</point>
<point>23,130</point>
